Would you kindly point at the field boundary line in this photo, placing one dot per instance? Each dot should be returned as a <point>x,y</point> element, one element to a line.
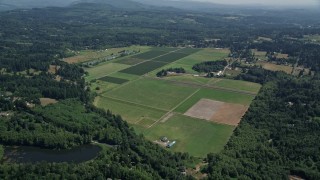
<point>134,103</point>
<point>99,77</point>
<point>179,63</point>
<point>148,60</point>
<point>120,85</point>
<point>124,84</point>
<point>141,119</point>
<point>155,57</point>
<point>135,64</point>
<point>175,107</point>
<point>206,86</point>
<point>213,83</point>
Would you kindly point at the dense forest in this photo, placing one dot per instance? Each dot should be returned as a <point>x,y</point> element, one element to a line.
<point>278,135</point>
<point>276,138</point>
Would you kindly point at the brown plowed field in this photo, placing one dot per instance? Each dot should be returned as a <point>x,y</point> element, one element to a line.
<point>229,114</point>
<point>216,111</point>
<point>204,109</point>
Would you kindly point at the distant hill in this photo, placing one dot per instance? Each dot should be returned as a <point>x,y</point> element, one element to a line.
<point>185,4</point>
<point>20,4</point>
<point>125,4</point>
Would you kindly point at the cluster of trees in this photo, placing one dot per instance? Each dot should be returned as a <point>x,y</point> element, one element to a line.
<point>43,85</point>
<point>242,52</point>
<point>164,72</point>
<point>210,66</point>
<point>257,74</point>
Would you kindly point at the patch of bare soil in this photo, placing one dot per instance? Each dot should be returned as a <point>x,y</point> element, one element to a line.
<point>47,101</point>
<point>229,114</point>
<point>196,172</point>
<point>204,109</point>
<point>167,117</point>
<point>218,112</point>
<point>53,69</point>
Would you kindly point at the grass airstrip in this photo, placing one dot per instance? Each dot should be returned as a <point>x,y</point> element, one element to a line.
<point>157,107</point>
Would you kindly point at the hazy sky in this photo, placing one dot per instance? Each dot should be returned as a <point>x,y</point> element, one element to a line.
<point>268,2</point>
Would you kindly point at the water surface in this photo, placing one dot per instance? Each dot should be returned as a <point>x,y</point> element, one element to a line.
<point>24,154</point>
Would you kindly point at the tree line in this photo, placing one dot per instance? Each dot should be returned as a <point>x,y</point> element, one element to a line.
<point>164,72</point>
<point>210,66</point>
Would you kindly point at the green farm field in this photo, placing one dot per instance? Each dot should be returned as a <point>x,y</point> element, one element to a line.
<point>237,85</point>
<point>132,113</point>
<point>143,68</point>
<point>207,54</point>
<point>218,95</point>
<point>150,54</point>
<point>155,107</point>
<point>189,79</point>
<point>188,50</point>
<point>126,76</point>
<point>130,61</point>
<point>197,137</point>
<point>168,58</point>
<point>154,93</point>
<point>167,49</point>
<point>114,80</point>
<point>88,55</point>
<point>104,70</point>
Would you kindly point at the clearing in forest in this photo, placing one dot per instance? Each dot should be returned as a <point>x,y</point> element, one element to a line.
<point>47,101</point>
<point>155,106</point>
<point>275,67</point>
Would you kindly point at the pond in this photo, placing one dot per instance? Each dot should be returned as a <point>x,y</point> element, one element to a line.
<point>24,154</point>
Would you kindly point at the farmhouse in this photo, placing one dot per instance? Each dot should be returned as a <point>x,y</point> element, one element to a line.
<point>215,74</point>
<point>164,139</point>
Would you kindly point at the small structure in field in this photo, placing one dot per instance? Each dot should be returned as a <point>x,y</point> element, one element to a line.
<point>169,145</point>
<point>164,139</point>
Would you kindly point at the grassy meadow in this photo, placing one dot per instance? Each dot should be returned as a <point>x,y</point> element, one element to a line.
<point>104,70</point>
<point>237,85</point>
<point>132,113</point>
<point>197,137</point>
<point>154,93</point>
